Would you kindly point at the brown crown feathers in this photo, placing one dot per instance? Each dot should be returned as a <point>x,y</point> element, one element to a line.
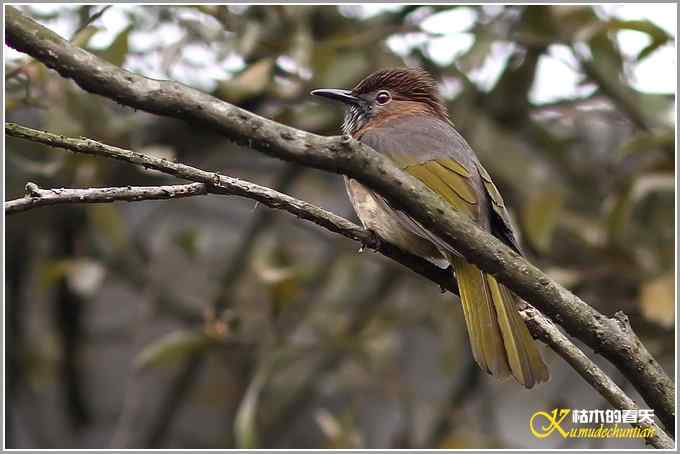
<point>413,84</point>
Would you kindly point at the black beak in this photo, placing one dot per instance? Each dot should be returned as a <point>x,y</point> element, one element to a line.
<point>344,96</point>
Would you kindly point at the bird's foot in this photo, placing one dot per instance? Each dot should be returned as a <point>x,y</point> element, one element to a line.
<point>372,241</point>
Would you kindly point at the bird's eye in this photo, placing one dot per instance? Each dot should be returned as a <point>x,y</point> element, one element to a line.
<point>383,97</point>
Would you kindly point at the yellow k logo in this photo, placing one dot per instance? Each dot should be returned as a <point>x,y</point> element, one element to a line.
<point>542,423</point>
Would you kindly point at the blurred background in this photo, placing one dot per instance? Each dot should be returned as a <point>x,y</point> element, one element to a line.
<point>111,336</point>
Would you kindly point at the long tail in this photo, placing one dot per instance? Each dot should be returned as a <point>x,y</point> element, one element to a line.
<point>500,341</point>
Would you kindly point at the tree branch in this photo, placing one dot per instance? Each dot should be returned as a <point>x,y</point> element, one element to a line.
<point>210,182</point>
<point>622,96</point>
<point>612,337</point>
<point>539,326</point>
<point>545,330</point>
<point>37,197</point>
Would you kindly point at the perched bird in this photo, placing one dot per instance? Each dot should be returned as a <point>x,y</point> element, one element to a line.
<point>399,113</point>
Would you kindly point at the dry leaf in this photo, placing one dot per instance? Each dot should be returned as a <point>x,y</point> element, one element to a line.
<point>657,300</point>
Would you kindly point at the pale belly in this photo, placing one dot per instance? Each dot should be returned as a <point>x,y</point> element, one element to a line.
<point>379,218</point>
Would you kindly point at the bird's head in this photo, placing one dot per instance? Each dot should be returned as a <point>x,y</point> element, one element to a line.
<point>387,94</point>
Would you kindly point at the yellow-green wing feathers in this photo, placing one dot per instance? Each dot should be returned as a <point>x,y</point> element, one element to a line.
<point>500,341</point>
<point>499,338</point>
<point>486,340</point>
<point>501,226</point>
<point>523,356</point>
<point>451,180</point>
<point>454,166</point>
<point>490,187</point>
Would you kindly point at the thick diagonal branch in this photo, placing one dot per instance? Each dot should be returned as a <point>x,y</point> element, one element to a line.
<point>612,337</point>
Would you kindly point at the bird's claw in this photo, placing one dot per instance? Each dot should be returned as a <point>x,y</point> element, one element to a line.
<point>373,242</point>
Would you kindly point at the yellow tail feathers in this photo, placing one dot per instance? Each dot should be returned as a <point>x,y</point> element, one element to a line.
<point>500,341</point>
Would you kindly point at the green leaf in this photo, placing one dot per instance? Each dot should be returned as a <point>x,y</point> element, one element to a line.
<point>650,183</point>
<point>647,141</point>
<point>83,276</point>
<point>605,55</point>
<point>657,106</point>
<point>279,276</point>
<point>658,35</point>
<point>655,32</point>
<point>108,222</point>
<point>245,422</point>
<point>187,240</point>
<point>536,23</point>
<point>172,348</point>
<point>82,38</point>
<point>657,300</point>
<point>253,81</point>
<point>578,22</point>
<point>618,218</point>
<point>53,271</point>
<point>83,112</point>
<point>118,50</point>
<point>648,50</point>
<point>540,218</point>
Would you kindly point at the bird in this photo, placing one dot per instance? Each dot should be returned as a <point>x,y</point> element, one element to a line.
<point>400,114</point>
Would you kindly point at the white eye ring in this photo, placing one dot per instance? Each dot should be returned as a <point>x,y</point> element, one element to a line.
<point>383,97</point>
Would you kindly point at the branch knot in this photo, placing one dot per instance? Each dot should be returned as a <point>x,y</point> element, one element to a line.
<point>32,190</point>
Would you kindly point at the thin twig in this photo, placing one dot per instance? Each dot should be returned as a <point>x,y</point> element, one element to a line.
<point>37,197</point>
<point>622,96</point>
<point>221,184</point>
<point>90,20</point>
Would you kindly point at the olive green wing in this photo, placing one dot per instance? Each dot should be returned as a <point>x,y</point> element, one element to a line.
<point>429,150</point>
<point>451,181</point>
<point>499,338</point>
<point>414,141</point>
